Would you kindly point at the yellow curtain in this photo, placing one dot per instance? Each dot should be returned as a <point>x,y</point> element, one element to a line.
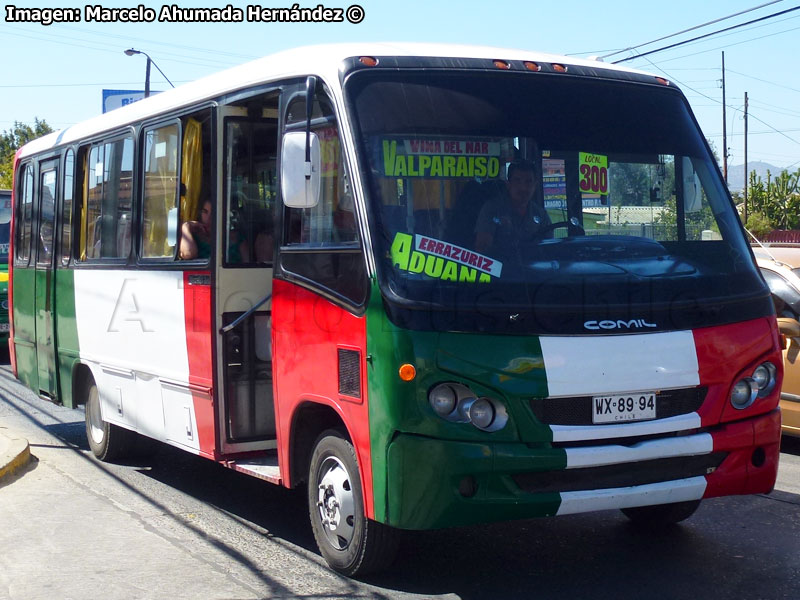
<point>84,203</point>
<point>159,193</point>
<point>191,169</point>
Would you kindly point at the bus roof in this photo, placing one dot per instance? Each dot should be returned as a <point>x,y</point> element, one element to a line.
<point>323,60</point>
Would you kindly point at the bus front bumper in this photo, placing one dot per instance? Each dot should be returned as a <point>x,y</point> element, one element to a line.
<point>434,483</point>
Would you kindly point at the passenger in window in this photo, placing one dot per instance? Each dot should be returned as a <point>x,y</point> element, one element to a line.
<point>264,240</point>
<point>514,216</point>
<point>263,246</point>
<point>196,236</point>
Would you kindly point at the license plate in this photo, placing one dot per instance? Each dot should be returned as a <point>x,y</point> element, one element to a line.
<point>5,327</point>
<point>624,408</point>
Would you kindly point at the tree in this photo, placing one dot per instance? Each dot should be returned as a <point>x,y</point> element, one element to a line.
<point>11,140</point>
<point>758,225</point>
<point>776,199</point>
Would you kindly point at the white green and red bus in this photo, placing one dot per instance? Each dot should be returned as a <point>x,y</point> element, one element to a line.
<point>342,324</point>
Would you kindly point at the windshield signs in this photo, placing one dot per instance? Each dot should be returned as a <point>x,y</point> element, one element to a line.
<point>594,173</point>
<point>440,260</point>
<point>437,158</point>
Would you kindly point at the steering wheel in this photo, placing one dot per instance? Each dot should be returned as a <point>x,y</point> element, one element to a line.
<point>572,227</point>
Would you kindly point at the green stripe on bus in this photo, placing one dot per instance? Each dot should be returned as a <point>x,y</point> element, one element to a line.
<point>67,347</point>
<point>414,483</point>
<point>24,326</point>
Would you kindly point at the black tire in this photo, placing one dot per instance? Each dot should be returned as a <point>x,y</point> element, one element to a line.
<point>107,441</point>
<point>661,515</point>
<point>349,542</point>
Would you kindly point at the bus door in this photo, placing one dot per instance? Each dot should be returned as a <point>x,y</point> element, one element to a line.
<point>249,139</point>
<point>43,279</point>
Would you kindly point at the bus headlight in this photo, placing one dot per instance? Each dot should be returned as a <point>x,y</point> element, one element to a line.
<point>765,377</point>
<point>481,413</point>
<point>457,403</point>
<point>443,399</point>
<point>744,393</point>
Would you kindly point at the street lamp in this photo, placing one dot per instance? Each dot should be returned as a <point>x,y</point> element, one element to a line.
<point>131,52</point>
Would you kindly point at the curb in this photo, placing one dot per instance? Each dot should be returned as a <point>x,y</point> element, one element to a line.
<point>14,454</point>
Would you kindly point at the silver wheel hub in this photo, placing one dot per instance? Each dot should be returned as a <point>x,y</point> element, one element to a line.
<point>335,502</point>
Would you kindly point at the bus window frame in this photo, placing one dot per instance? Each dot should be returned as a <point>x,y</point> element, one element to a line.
<point>139,174</point>
<point>355,306</point>
<point>22,169</point>
<point>192,264</point>
<point>110,138</point>
<point>226,200</point>
<point>67,253</point>
<point>46,161</point>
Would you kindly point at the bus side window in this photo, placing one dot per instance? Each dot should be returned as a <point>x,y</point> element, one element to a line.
<point>24,216</point>
<point>332,221</point>
<point>321,244</point>
<point>106,214</point>
<point>160,195</point>
<point>66,225</point>
<point>250,185</point>
<point>47,203</point>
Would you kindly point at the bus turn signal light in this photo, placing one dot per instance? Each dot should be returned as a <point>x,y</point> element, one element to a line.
<point>407,372</point>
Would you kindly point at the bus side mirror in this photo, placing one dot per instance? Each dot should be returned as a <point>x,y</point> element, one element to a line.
<point>300,180</point>
<point>692,189</point>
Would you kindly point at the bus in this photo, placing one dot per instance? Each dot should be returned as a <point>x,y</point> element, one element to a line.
<point>436,285</point>
<point>5,227</point>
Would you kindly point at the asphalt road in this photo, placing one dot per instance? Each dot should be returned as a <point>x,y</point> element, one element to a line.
<point>178,526</point>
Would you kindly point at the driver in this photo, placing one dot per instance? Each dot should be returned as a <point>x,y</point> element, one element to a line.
<point>511,218</point>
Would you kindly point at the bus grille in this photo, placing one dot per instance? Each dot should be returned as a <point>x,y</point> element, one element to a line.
<point>350,373</point>
<point>578,410</point>
<point>620,475</point>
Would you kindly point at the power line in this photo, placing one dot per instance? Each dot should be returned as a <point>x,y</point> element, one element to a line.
<point>778,109</point>
<point>705,35</point>
<point>730,33</point>
<point>727,45</point>
<point>91,45</point>
<point>691,28</point>
<point>718,102</point>
<point>786,87</point>
<point>141,41</point>
<point>43,85</point>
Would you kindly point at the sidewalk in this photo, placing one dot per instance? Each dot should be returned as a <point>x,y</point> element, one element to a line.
<point>14,454</point>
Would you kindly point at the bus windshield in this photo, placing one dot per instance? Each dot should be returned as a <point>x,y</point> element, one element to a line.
<point>545,193</point>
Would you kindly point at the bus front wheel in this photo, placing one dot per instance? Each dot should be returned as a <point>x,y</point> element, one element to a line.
<point>349,542</point>
<point>106,440</point>
<point>661,515</point>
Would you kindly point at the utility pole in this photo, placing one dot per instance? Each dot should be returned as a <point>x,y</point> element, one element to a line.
<point>724,127</point>
<point>746,178</point>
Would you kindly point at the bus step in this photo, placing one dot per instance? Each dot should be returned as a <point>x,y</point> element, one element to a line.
<point>265,468</point>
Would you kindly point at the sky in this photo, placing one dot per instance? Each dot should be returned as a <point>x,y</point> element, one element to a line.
<point>58,72</point>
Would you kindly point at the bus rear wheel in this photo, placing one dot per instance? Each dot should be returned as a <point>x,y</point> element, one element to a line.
<point>106,440</point>
<point>661,515</point>
<point>349,542</point>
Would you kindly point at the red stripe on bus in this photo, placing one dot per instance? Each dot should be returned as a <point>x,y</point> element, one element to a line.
<point>197,315</point>
<point>307,332</point>
<point>751,464</point>
<point>726,352</point>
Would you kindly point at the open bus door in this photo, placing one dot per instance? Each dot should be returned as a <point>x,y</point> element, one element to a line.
<point>248,138</point>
